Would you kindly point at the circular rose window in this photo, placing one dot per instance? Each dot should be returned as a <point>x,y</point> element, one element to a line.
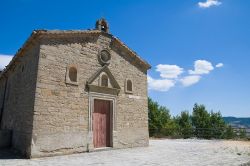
<point>104,57</point>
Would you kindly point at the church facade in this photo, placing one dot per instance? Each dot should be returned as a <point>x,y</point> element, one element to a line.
<point>74,91</point>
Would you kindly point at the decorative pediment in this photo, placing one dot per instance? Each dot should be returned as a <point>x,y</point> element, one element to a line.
<point>103,82</point>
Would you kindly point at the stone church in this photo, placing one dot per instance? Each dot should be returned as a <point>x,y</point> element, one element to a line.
<point>71,91</point>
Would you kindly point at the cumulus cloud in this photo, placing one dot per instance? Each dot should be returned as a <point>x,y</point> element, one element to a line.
<point>209,3</point>
<point>190,80</point>
<point>160,84</point>
<point>169,71</point>
<point>172,75</point>
<point>4,60</point>
<point>219,65</point>
<point>201,67</point>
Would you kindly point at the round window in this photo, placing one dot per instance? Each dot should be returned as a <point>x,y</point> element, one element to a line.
<point>104,57</point>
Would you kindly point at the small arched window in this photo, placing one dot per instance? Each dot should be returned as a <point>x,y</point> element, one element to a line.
<point>73,74</point>
<point>129,86</point>
<point>104,80</point>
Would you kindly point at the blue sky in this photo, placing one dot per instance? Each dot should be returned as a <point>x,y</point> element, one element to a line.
<point>182,40</point>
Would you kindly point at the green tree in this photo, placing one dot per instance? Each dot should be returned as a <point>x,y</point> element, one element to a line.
<point>172,129</point>
<point>158,118</point>
<point>184,123</point>
<point>201,121</point>
<point>217,125</point>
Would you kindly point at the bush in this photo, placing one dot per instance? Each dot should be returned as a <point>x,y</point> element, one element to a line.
<point>242,133</point>
<point>229,133</point>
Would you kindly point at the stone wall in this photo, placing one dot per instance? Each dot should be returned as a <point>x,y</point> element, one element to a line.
<point>61,110</point>
<point>2,88</point>
<point>19,99</point>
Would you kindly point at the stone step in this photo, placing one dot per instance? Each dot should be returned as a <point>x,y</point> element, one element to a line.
<point>5,138</point>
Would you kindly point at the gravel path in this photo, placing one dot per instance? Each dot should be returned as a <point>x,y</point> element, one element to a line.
<point>160,152</point>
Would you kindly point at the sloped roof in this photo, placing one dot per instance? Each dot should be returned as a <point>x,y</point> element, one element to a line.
<point>36,34</point>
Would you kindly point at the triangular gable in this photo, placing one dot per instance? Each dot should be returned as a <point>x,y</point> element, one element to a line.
<point>105,69</point>
<point>115,89</point>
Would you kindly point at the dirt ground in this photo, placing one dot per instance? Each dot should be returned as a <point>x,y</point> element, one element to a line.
<point>173,152</point>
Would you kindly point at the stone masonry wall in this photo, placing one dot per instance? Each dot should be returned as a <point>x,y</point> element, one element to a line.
<point>19,100</point>
<point>61,110</point>
<point>2,88</point>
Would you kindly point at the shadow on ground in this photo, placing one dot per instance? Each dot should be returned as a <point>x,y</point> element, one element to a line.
<point>247,164</point>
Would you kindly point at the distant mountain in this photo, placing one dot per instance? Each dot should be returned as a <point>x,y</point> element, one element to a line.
<point>237,122</point>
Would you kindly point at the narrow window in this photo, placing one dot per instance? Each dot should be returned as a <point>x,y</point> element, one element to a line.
<point>22,68</point>
<point>104,80</point>
<point>73,74</point>
<point>129,86</point>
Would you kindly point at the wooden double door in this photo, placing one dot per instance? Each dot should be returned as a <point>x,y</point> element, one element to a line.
<point>102,123</point>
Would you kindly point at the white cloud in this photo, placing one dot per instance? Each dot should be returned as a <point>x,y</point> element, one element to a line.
<point>219,65</point>
<point>201,67</point>
<point>169,71</point>
<point>190,80</point>
<point>160,84</point>
<point>209,3</point>
<point>4,60</point>
<point>171,75</point>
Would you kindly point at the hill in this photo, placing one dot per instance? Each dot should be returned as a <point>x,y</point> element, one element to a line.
<point>238,122</point>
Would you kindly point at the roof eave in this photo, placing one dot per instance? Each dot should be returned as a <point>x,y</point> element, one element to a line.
<point>36,33</point>
<point>31,38</point>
